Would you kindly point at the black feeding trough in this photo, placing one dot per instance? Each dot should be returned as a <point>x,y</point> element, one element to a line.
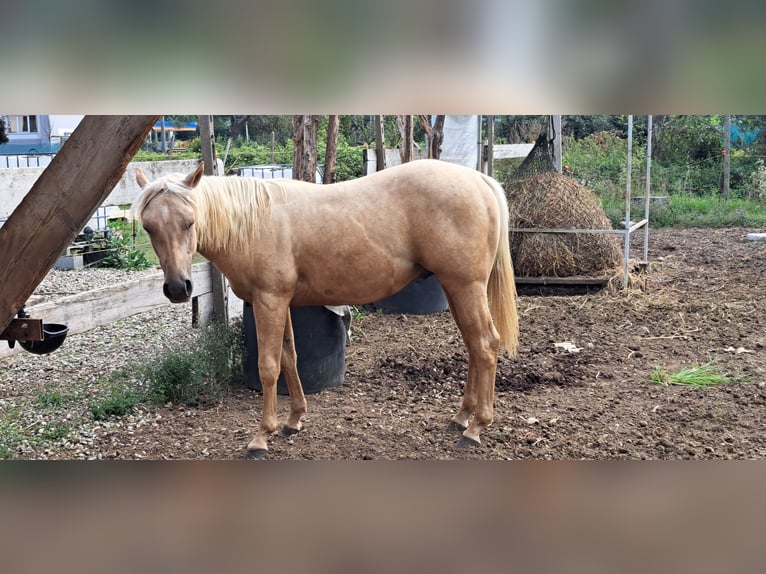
<point>33,335</point>
<point>53,336</point>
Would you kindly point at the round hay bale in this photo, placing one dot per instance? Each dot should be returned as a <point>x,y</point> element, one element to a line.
<point>552,200</point>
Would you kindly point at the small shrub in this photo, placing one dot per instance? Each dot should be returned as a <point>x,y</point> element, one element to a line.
<point>198,376</point>
<point>120,401</point>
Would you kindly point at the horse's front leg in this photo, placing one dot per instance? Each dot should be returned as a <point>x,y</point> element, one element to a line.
<point>270,315</point>
<point>294,387</point>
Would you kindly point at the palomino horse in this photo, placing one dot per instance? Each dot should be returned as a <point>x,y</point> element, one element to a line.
<point>287,242</point>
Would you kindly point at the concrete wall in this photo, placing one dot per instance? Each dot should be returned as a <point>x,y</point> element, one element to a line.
<point>15,183</point>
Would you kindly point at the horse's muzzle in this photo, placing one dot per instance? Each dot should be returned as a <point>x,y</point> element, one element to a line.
<point>178,291</point>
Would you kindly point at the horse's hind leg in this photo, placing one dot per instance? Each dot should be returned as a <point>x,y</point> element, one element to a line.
<point>290,370</point>
<point>462,419</point>
<point>470,309</point>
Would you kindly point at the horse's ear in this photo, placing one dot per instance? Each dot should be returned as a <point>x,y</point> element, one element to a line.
<point>192,180</point>
<point>141,178</point>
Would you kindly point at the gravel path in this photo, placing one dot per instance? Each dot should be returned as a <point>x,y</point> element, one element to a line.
<point>44,399</point>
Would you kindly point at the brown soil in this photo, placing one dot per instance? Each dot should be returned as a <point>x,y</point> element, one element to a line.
<point>701,302</point>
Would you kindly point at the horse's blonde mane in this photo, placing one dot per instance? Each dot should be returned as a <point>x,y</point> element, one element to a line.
<point>227,210</point>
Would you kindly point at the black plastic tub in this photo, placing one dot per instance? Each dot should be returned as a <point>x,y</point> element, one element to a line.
<point>53,336</point>
<point>320,342</point>
<point>421,297</point>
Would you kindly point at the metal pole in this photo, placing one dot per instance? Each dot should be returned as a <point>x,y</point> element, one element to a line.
<point>490,143</point>
<point>648,195</point>
<point>626,246</point>
<point>480,146</point>
<point>555,128</point>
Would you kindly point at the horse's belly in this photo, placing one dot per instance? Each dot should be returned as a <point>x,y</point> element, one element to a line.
<point>355,287</point>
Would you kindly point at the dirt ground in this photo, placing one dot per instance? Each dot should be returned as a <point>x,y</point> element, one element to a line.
<point>702,302</point>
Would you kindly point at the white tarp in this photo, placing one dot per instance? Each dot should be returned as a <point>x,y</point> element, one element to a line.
<point>460,144</point>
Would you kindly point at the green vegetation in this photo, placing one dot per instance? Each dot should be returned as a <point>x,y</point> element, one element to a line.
<point>11,436</point>
<point>695,376</point>
<point>686,168</point>
<point>53,398</point>
<point>687,163</point>
<point>127,251</point>
<point>120,400</point>
<point>194,376</point>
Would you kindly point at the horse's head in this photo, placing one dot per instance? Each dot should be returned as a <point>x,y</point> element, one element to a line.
<point>168,218</point>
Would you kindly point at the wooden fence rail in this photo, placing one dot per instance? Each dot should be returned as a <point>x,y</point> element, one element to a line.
<point>97,307</point>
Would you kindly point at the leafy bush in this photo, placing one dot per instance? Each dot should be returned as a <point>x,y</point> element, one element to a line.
<point>124,253</point>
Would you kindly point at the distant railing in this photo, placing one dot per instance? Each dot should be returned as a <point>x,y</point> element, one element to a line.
<point>25,160</point>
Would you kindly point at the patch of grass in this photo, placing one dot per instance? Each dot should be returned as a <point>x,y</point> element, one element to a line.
<point>118,402</point>
<point>695,376</point>
<point>56,430</point>
<point>199,375</point>
<point>11,437</point>
<point>53,399</point>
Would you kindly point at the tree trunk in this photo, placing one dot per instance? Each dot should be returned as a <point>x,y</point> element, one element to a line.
<point>380,144</point>
<point>237,123</point>
<point>405,129</point>
<point>435,134</point>
<point>305,152</point>
<point>331,151</point>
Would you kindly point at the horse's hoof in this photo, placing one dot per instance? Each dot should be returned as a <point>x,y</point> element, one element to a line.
<point>256,454</point>
<point>467,442</point>
<point>455,426</point>
<point>288,431</point>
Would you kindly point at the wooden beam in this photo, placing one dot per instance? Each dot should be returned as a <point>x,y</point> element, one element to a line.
<point>26,329</point>
<point>62,201</point>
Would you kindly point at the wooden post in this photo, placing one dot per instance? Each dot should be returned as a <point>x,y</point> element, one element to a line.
<point>726,156</point>
<point>219,284</point>
<point>331,151</point>
<point>61,201</point>
<point>380,144</point>
<point>207,144</point>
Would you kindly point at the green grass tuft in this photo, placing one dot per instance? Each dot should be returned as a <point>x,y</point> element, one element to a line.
<point>119,401</point>
<point>695,376</point>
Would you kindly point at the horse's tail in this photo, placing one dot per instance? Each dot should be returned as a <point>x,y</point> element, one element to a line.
<point>501,289</point>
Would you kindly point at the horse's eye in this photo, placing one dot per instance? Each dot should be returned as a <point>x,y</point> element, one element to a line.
<point>189,225</point>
